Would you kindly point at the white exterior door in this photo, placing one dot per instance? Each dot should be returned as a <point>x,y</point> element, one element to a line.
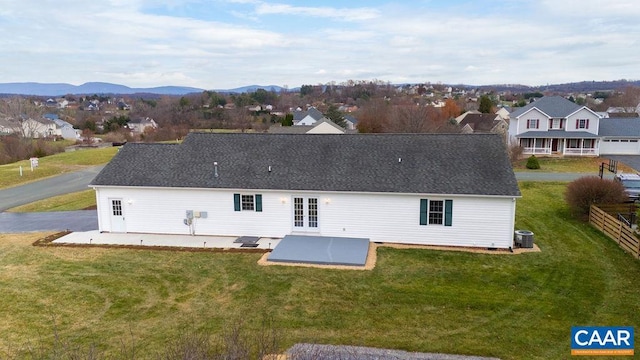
<point>305,214</point>
<point>117,216</point>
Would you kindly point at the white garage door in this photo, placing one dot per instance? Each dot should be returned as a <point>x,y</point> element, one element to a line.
<point>620,146</point>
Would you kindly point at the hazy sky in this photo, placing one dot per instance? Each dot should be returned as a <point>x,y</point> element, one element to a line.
<point>217,44</point>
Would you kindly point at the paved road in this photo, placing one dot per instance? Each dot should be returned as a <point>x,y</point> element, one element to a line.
<point>82,220</point>
<point>43,189</point>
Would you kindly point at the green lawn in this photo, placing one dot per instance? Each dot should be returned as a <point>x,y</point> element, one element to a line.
<point>54,165</point>
<point>508,306</point>
<point>75,201</point>
<point>568,164</point>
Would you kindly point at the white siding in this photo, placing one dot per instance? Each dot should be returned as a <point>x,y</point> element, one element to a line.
<point>307,120</point>
<point>620,147</point>
<point>325,128</point>
<point>594,121</point>
<point>477,221</point>
<point>513,128</point>
<point>532,114</point>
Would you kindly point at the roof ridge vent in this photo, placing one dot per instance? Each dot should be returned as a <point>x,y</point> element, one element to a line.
<point>215,169</point>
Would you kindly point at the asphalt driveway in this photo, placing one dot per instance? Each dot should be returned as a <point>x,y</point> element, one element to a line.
<point>633,161</point>
<point>46,188</point>
<point>81,220</point>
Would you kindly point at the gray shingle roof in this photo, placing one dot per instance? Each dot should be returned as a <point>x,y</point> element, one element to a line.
<point>554,106</point>
<point>313,112</point>
<point>431,163</point>
<point>479,122</point>
<point>620,127</point>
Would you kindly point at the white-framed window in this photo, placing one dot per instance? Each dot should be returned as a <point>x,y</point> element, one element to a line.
<point>556,124</point>
<point>588,143</point>
<point>582,123</point>
<point>436,212</point>
<point>533,123</point>
<point>573,144</point>
<point>247,202</point>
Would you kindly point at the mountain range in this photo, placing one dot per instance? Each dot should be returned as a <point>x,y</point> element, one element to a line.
<point>102,88</point>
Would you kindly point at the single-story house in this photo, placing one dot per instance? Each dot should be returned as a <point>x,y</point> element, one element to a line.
<point>431,189</point>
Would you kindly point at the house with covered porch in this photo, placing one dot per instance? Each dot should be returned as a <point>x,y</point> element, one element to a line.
<point>554,125</point>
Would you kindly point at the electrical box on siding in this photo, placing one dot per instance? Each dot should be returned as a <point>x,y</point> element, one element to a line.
<point>189,214</point>
<point>203,214</point>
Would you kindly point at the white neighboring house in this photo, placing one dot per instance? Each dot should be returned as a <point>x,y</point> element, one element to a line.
<point>504,113</point>
<point>139,125</point>
<point>63,128</point>
<point>351,122</point>
<point>66,130</point>
<point>398,188</point>
<point>556,126</point>
<point>308,117</point>
<point>38,128</point>
<point>6,127</point>
<point>324,126</point>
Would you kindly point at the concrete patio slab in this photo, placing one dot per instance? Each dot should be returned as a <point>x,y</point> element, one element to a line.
<point>321,250</point>
<point>135,239</point>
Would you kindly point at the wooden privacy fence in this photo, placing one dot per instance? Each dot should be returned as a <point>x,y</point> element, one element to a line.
<point>617,230</point>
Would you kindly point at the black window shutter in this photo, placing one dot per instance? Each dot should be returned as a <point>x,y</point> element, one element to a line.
<point>423,211</point>
<point>448,212</point>
<point>236,202</point>
<point>258,202</point>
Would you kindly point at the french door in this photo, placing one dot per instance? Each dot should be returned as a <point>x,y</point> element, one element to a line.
<point>305,213</point>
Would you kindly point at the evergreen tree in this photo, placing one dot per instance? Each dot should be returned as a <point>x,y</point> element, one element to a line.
<point>336,116</point>
<point>486,104</point>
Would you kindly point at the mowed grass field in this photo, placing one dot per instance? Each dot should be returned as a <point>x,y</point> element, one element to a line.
<point>568,164</point>
<point>54,165</point>
<point>508,306</point>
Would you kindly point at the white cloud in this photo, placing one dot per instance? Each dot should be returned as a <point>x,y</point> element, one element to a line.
<point>252,41</point>
<point>358,14</point>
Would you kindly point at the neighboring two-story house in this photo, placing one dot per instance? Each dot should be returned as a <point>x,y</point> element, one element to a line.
<point>554,125</point>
